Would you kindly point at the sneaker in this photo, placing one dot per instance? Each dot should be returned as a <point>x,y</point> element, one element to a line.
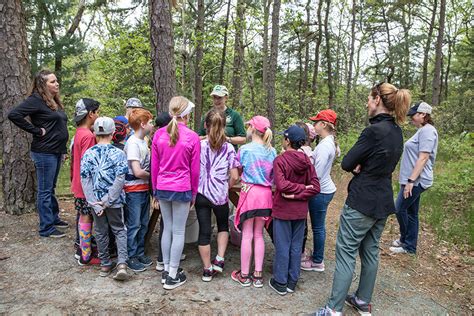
<point>122,273</point>
<point>160,266</point>
<point>208,274</point>
<point>309,265</point>
<point>398,250</point>
<point>277,287</point>
<point>78,253</point>
<point>183,257</point>
<point>145,260</point>
<point>105,270</point>
<point>363,309</point>
<point>171,283</point>
<point>326,311</point>
<point>306,255</point>
<point>257,281</point>
<point>291,287</point>
<point>61,224</point>
<point>135,265</point>
<point>218,265</point>
<point>237,276</point>
<point>397,243</point>
<point>56,234</point>
<point>91,262</point>
<point>164,274</point>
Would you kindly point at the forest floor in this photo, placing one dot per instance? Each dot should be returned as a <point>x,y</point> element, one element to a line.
<point>40,276</point>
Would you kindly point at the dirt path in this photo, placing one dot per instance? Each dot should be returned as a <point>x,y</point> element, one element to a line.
<point>40,276</point>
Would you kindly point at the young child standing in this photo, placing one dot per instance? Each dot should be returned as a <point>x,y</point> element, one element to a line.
<point>137,212</point>
<point>87,111</point>
<point>218,173</point>
<point>121,131</point>
<point>103,170</point>
<point>175,179</point>
<point>296,182</point>
<point>255,202</point>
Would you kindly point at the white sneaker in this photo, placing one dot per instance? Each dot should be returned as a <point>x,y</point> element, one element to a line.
<point>160,266</point>
<point>397,243</point>
<point>398,250</point>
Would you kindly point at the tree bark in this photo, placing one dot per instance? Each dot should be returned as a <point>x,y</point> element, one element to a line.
<point>224,47</point>
<point>351,110</point>
<point>273,62</point>
<point>328,55</point>
<point>18,176</point>
<point>236,90</point>
<point>35,40</point>
<point>304,84</point>
<point>319,38</point>
<point>439,55</point>
<point>197,63</point>
<point>424,75</point>
<point>162,53</point>
<point>266,16</point>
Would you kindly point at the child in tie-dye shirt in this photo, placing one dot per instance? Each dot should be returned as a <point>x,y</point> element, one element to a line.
<point>255,201</point>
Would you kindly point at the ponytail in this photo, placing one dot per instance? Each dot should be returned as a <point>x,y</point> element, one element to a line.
<point>395,100</point>
<point>173,131</point>
<point>267,138</point>
<point>176,107</point>
<point>215,127</point>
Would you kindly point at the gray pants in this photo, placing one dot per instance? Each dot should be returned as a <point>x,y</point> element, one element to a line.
<point>357,232</point>
<point>174,215</point>
<point>113,218</point>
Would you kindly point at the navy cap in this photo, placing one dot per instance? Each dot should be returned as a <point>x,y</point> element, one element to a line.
<point>295,134</point>
<point>420,107</point>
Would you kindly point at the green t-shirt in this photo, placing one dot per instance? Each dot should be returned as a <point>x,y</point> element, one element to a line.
<point>234,124</point>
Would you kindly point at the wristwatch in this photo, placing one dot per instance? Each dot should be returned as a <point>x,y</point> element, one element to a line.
<point>411,181</point>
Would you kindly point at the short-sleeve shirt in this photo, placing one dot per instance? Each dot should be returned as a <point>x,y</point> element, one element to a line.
<point>83,140</point>
<point>103,163</point>
<point>234,125</point>
<point>136,149</point>
<point>257,163</point>
<point>424,140</point>
<point>214,172</point>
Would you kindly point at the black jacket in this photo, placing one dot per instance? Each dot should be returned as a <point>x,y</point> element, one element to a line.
<point>41,116</point>
<point>378,151</point>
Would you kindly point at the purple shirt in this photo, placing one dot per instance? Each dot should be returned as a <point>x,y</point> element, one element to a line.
<point>214,176</point>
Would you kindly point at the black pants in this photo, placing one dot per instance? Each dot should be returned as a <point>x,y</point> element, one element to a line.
<point>203,212</point>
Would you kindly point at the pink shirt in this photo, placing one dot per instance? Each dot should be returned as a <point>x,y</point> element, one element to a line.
<point>176,168</point>
<point>83,140</point>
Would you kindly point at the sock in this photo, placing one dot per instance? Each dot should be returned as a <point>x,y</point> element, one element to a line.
<point>219,258</point>
<point>167,267</point>
<point>173,272</point>
<point>210,268</point>
<point>360,302</point>
<point>85,240</point>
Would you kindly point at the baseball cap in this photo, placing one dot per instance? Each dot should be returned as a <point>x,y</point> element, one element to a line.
<point>133,103</point>
<point>104,126</point>
<point>420,107</point>
<point>325,115</point>
<point>260,123</point>
<point>121,118</point>
<point>84,106</point>
<point>295,134</point>
<point>162,119</point>
<point>220,91</point>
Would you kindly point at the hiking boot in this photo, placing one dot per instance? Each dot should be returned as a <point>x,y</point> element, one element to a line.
<point>105,270</point>
<point>160,266</point>
<point>208,274</point>
<point>145,260</point>
<point>363,309</point>
<point>309,265</point>
<point>56,234</point>
<point>274,285</point>
<point>398,250</point>
<point>397,243</point>
<point>122,273</point>
<point>238,277</point>
<point>61,224</point>
<point>218,265</point>
<point>135,265</point>
<point>92,261</point>
<point>257,281</point>
<point>172,283</point>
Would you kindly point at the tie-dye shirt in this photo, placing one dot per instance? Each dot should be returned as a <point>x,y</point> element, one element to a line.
<point>257,163</point>
<point>103,163</point>
<point>214,173</point>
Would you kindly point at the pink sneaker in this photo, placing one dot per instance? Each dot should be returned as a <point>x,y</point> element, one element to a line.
<point>309,265</point>
<point>306,255</point>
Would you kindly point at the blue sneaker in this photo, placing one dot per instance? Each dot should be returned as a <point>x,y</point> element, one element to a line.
<point>145,260</point>
<point>135,265</point>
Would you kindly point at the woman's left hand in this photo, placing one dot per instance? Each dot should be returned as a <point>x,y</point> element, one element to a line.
<point>288,196</point>
<point>407,190</point>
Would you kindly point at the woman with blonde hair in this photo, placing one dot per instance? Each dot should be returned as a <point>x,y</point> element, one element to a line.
<point>175,178</point>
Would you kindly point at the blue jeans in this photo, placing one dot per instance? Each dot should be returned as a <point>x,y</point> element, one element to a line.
<point>47,170</point>
<point>137,216</point>
<point>407,215</point>
<point>318,206</point>
<point>288,239</point>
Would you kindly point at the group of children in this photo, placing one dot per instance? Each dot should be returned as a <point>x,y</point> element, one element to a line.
<point>114,172</point>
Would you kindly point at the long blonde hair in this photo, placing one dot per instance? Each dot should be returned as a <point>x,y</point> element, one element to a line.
<point>266,137</point>
<point>215,128</point>
<point>176,107</point>
<point>395,100</point>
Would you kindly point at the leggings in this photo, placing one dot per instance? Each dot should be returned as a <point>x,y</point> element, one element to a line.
<point>174,215</point>
<point>203,212</point>
<point>252,229</point>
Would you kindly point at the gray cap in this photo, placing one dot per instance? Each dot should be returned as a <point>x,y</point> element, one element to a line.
<point>420,107</point>
<point>104,126</point>
<point>133,103</point>
<point>83,106</point>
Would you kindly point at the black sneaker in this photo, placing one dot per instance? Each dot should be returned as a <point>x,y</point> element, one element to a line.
<point>208,274</point>
<point>291,287</point>
<point>56,234</point>
<point>135,265</point>
<point>280,289</point>
<point>363,309</point>
<point>164,274</point>
<point>78,253</point>
<point>145,260</point>
<point>61,224</point>
<point>171,283</point>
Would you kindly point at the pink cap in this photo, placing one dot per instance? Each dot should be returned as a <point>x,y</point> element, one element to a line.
<point>312,131</point>
<point>260,123</point>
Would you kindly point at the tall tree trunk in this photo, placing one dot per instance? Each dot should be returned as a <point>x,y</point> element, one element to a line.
<point>349,106</point>
<point>273,63</point>
<point>424,75</point>
<point>319,38</point>
<point>162,52</point>
<point>35,40</point>
<point>18,171</point>
<point>406,25</point>
<point>439,55</point>
<point>224,46</point>
<point>304,84</point>
<point>197,63</point>
<point>236,91</point>
<point>448,66</point>
<point>266,16</point>
<point>328,55</point>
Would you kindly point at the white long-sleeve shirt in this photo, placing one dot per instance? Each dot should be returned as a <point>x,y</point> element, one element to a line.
<point>323,156</point>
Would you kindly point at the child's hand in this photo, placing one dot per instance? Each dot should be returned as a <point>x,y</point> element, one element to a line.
<point>309,186</point>
<point>100,213</point>
<point>288,196</point>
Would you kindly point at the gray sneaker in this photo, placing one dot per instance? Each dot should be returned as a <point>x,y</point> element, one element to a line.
<point>122,273</point>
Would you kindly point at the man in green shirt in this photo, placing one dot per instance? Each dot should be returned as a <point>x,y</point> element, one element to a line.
<point>234,128</point>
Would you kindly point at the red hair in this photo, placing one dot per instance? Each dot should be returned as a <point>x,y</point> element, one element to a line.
<point>137,117</point>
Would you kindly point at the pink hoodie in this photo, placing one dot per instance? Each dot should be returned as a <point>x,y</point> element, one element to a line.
<point>176,168</point>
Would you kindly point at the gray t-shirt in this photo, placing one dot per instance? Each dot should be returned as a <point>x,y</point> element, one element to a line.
<point>424,140</point>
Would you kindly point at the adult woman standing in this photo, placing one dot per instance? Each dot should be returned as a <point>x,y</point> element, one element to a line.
<point>49,128</point>
<point>370,198</point>
<point>416,175</point>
